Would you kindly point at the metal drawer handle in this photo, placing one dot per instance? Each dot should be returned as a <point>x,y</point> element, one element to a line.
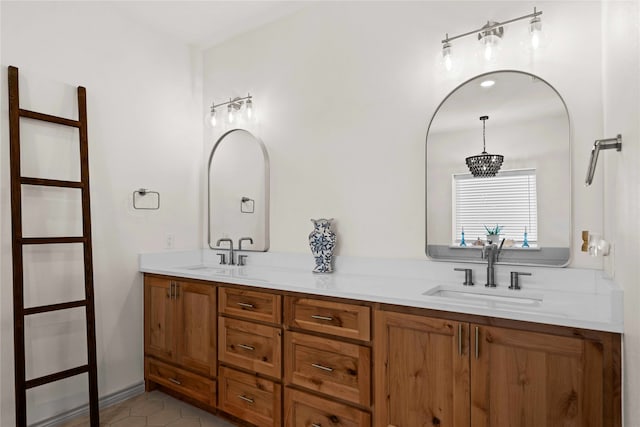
<point>324,368</point>
<point>246,305</point>
<point>175,381</point>
<point>328,319</point>
<point>247,347</point>
<point>245,398</point>
<point>316,425</point>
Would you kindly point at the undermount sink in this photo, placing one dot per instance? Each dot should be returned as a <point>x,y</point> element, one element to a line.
<point>486,296</point>
<point>207,269</point>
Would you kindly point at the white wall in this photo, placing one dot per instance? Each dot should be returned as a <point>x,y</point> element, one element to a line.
<point>345,92</point>
<point>145,127</point>
<point>621,72</point>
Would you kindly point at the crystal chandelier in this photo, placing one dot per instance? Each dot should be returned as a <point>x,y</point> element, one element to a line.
<point>484,164</point>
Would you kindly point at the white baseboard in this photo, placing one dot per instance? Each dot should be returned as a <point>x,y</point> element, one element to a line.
<point>104,402</point>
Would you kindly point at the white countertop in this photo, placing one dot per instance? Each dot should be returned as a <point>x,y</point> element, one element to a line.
<point>559,296</point>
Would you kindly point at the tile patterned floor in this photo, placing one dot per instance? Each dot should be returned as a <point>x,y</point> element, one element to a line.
<point>152,409</point>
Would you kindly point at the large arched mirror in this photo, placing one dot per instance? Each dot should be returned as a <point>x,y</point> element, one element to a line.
<point>238,187</point>
<point>528,201</point>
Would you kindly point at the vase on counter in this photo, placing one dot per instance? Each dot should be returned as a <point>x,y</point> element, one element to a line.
<point>322,242</point>
<point>493,238</point>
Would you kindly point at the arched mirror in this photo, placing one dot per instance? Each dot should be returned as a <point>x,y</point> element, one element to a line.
<point>527,202</point>
<point>239,192</point>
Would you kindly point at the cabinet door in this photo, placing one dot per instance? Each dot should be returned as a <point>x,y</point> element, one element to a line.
<point>529,379</point>
<point>421,371</point>
<point>159,318</point>
<point>196,327</point>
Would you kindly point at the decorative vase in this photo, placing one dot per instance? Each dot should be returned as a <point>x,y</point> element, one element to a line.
<point>322,241</point>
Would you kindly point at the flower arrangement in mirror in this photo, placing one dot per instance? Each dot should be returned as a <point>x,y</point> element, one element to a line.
<point>493,234</point>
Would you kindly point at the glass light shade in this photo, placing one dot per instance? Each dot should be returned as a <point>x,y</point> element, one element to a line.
<point>230,115</point>
<point>212,118</point>
<point>249,108</point>
<point>535,29</point>
<point>446,56</point>
<point>490,43</point>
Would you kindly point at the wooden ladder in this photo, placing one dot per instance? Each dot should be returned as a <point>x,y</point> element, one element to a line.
<point>18,242</point>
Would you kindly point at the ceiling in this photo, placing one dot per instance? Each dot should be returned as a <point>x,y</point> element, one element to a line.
<point>205,23</point>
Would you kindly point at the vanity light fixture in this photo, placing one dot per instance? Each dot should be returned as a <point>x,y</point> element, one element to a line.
<point>490,35</point>
<point>233,106</point>
<point>484,164</point>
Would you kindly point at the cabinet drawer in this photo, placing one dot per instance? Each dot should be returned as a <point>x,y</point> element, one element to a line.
<point>335,368</point>
<point>187,383</point>
<point>250,346</point>
<point>304,410</point>
<point>250,398</point>
<point>344,320</point>
<point>252,305</point>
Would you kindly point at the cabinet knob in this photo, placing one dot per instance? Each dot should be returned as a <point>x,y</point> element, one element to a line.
<point>322,367</point>
<point>318,317</point>
<point>245,398</point>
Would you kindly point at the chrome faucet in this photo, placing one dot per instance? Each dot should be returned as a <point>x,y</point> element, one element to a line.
<point>231,258</point>
<point>491,252</point>
<point>249,239</point>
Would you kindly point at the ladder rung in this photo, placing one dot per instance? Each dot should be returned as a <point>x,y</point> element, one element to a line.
<point>57,376</point>
<point>54,307</point>
<point>51,240</point>
<point>49,118</point>
<point>50,182</point>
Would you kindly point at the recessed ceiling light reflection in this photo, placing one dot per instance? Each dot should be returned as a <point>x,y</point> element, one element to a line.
<point>487,83</point>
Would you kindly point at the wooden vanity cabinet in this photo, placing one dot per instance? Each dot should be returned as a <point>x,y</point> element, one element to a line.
<point>180,330</point>
<point>422,371</point>
<point>250,355</point>
<point>327,363</point>
<point>435,372</point>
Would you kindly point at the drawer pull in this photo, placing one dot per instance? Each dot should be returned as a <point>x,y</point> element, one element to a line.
<point>328,319</point>
<point>324,368</point>
<point>316,425</point>
<point>246,305</point>
<point>175,381</point>
<point>247,347</point>
<point>245,398</point>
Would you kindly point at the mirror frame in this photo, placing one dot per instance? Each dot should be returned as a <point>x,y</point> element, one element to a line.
<point>267,175</point>
<point>571,202</point>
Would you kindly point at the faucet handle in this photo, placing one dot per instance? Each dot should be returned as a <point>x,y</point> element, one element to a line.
<point>515,279</point>
<point>223,259</point>
<point>242,260</point>
<point>468,276</point>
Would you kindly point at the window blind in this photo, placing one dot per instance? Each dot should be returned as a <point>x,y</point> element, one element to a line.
<point>509,200</point>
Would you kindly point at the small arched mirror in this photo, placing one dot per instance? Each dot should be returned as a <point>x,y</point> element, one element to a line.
<point>527,203</point>
<point>238,181</point>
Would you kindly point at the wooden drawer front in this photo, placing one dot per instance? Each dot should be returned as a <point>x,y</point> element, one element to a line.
<point>187,383</point>
<point>304,410</point>
<point>345,320</point>
<point>251,305</point>
<point>250,346</point>
<point>328,366</point>
<point>250,398</point>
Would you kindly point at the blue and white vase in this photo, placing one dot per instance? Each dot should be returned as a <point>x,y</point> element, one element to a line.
<point>322,241</point>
